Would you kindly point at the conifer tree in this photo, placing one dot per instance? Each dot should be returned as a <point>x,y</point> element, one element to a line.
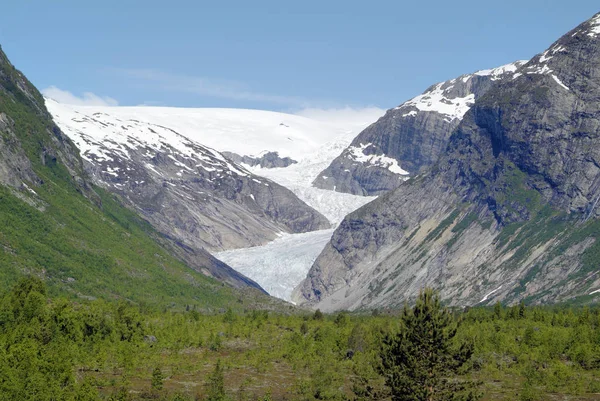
<point>215,387</point>
<point>157,379</point>
<point>420,362</point>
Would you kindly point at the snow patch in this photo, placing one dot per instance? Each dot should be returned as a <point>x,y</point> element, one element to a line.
<point>594,26</point>
<point>496,73</point>
<point>490,293</point>
<point>358,154</point>
<point>436,100</point>
<point>558,81</point>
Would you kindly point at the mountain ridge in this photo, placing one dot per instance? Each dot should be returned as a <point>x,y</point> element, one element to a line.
<point>55,224</point>
<point>409,137</point>
<point>507,213</point>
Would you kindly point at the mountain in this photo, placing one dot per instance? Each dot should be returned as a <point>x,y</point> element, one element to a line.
<point>508,213</point>
<point>410,137</point>
<point>187,191</point>
<point>55,224</point>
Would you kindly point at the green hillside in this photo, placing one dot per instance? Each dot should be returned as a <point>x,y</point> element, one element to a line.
<point>78,238</point>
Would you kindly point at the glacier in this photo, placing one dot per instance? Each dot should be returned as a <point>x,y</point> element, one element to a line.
<point>278,266</point>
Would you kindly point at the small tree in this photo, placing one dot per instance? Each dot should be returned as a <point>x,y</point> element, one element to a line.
<point>215,386</point>
<point>420,363</point>
<point>157,379</point>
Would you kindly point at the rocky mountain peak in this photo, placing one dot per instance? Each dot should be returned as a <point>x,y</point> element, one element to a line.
<point>508,212</point>
<point>410,137</point>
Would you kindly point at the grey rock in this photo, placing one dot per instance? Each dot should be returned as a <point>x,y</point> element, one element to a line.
<point>266,160</point>
<point>509,211</point>
<point>413,135</point>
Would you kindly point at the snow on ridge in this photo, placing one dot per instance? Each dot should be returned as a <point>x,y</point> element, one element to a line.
<point>242,131</point>
<point>497,72</point>
<point>102,137</point>
<point>358,154</point>
<point>595,26</point>
<point>438,101</point>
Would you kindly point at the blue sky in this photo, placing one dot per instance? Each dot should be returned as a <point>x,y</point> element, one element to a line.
<point>276,55</point>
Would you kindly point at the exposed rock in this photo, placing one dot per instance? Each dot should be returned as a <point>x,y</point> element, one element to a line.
<point>188,192</point>
<point>408,138</point>
<point>265,160</point>
<point>509,212</point>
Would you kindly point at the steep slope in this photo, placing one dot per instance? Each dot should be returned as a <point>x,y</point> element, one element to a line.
<point>82,241</point>
<point>187,191</point>
<point>508,213</point>
<point>408,138</point>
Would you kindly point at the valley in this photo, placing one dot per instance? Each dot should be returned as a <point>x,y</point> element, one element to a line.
<point>447,249</point>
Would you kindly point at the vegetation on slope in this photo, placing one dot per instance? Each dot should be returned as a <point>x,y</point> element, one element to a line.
<point>51,348</point>
<point>77,237</point>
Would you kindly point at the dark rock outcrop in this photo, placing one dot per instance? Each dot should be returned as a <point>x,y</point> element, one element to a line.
<point>265,160</point>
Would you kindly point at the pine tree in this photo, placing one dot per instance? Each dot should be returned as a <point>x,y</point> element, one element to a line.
<point>420,363</point>
<point>157,379</point>
<point>215,387</point>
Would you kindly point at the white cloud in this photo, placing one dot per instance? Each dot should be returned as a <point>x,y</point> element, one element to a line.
<point>88,98</point>
<point>345,116</point>
<point>208,87</point>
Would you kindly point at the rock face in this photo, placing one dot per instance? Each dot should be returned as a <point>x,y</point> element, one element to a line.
<point>408,138</point>
<point>187,191</point>
<point>265,160</point>
<point>509,212</point>
<point>15,164</point>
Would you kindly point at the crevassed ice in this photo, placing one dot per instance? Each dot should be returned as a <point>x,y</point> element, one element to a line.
<point>280,265</point>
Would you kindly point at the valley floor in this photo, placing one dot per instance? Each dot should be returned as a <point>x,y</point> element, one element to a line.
<point>56,349</point>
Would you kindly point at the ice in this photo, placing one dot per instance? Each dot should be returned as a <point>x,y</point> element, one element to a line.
<point>281,265</point>
<point>194,134</point>
<point>299,177</point>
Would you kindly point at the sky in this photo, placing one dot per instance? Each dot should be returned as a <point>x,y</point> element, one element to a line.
<point>276,55</point>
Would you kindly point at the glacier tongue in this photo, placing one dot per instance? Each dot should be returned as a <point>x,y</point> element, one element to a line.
<point>280,265</point>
